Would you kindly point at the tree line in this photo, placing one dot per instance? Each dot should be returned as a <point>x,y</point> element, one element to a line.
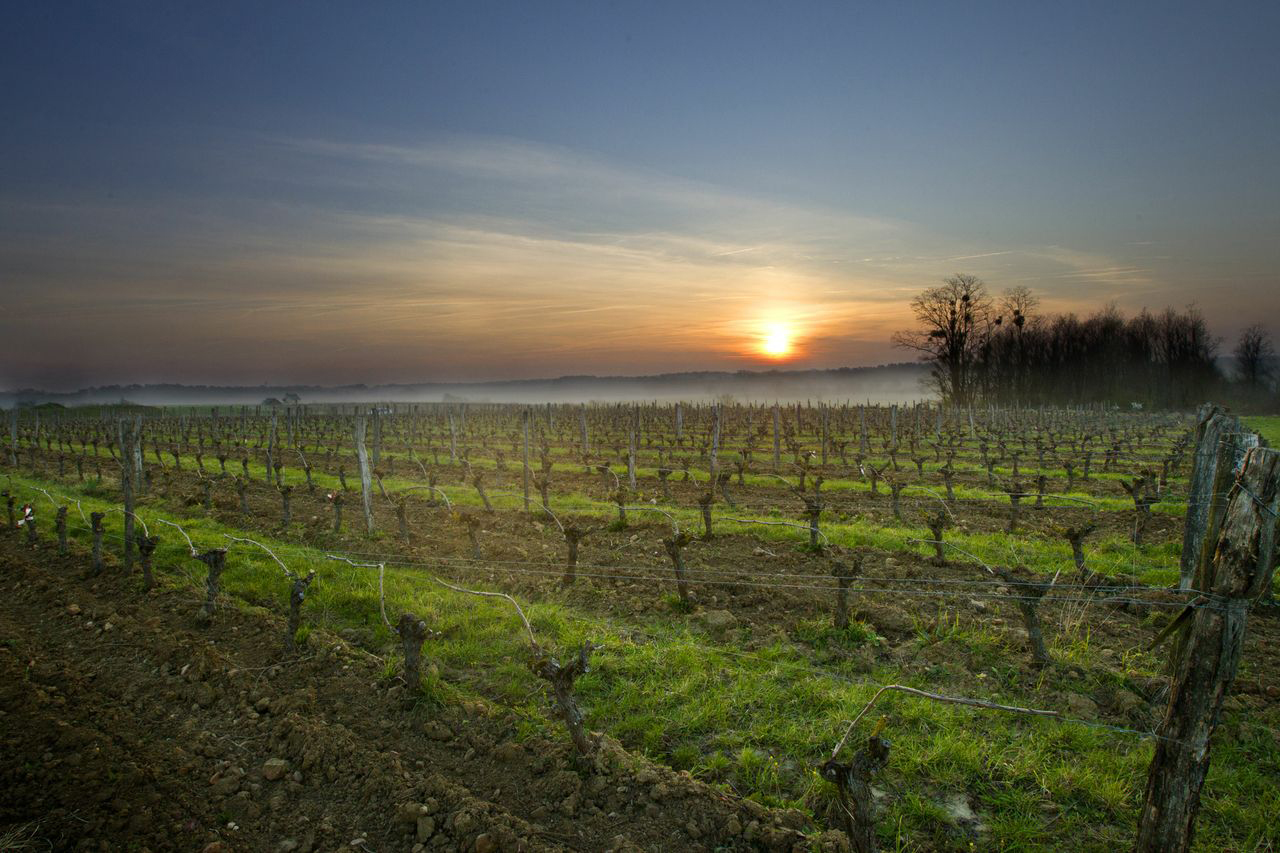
<point>986,349</point>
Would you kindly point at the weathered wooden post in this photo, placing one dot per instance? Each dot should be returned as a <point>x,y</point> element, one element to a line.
<point>777,446</point>
<point>524,429</point>
<point>1221,444</point>
<point>136,443</point>
<point>715,441</point>
<point>1209,653</point>
<point>826,440</point>
<point>453,440</point>
<point>631,447</point>
<point>271,448</point>
<point>126,488</point>
<point>366,483</point>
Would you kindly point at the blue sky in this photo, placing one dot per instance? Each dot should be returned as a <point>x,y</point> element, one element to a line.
<point>226,192</point>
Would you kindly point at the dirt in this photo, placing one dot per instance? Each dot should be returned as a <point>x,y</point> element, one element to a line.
<point>626,572</point>
<point>768,586</point>
<point>126,723</point>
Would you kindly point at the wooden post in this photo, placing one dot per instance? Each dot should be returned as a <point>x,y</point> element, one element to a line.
<point>826,415</point>
<point>1221,443</point>
<point>777,446</point>
<point>679,422</point>
<point>453,440</point>
<point>126,489</point>
<point>366,483</point>
<point>271,447</point>
<point>715,444</point>
<point>137,453</point>
<point>524,428</point>
<point>631,447</point>
<point>582,426</point>
<point>1210,652</point>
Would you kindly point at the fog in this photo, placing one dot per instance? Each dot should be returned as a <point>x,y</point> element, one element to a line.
<point>895,383</point>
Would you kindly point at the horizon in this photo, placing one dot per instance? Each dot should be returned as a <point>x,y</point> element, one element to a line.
<point>237,195</point>
<point>883,383</point>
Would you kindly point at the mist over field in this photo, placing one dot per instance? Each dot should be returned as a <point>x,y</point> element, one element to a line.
<point>895,383</point>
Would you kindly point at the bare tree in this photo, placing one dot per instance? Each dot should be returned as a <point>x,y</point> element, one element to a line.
<point>1254,354</point>
<point>955,321</point>
<point>1018,302</point>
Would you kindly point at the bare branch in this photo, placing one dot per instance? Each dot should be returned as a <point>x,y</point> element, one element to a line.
<point>382,597</point>
<point>675,526</point>
<point>938,697</point>
<point>528,628</point>
<point>432,489</point>
<point>280,562</point>
<point>190,544</point>
<point>780,524</point>
<point>136,518</point>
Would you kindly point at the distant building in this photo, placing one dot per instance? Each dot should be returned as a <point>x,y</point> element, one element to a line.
<point>292,399</point>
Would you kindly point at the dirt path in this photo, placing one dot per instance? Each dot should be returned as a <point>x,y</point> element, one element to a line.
<point>125,723</point>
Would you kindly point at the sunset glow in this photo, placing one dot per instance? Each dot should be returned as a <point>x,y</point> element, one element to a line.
<point>777,342</point>
<point>476,195</point>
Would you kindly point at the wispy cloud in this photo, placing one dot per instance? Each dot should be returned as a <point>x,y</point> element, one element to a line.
<point>486,257</point>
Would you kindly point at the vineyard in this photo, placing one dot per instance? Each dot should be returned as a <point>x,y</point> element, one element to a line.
<point>620,627</point>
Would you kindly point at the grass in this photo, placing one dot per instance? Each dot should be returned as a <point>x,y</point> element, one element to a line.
<point>1108,555</point>
<point>757,723</point>
<point>1266,425</point>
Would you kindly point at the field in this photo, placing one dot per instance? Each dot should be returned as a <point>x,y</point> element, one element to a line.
<point>723,678</point>
<point>1268,426</point>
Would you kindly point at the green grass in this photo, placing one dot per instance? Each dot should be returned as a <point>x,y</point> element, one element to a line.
<point>1112,555</point>
<point>758,723</point>
<point>1268,426</point>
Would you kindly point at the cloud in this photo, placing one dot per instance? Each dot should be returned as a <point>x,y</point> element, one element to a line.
<point>479,257</point>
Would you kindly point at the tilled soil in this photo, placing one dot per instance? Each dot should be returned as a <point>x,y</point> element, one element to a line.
<point>127,723</point>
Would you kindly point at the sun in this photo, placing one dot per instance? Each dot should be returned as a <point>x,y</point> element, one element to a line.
<point>776,342</point>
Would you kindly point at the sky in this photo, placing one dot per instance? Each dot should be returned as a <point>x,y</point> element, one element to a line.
<point>394,192</point>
